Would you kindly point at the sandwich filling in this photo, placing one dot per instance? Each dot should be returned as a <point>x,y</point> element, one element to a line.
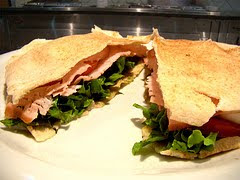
<point>177,138</point>
<point>88,82</point>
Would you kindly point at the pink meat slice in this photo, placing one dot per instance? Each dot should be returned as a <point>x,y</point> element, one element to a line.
<point>176,125</point>
<point>39,100</point>
<point>153,86</point>
<point>155,92</point>
<point>103,65</point>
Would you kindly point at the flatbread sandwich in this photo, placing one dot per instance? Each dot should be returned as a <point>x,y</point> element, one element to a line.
<point>52,82</point>
<point>194,99</point>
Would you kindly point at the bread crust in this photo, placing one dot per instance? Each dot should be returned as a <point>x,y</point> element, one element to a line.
<point>197,78</point>
<point>53,59</point>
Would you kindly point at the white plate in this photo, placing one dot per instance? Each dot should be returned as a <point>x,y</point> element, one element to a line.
<point>99,144</point>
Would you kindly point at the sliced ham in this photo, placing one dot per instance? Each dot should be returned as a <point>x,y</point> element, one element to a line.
<point>175,125</point>
<point>153,86</point>
<point>30,110</point>
<point>39,100</point>
<point>103,65</point>
<point>67,91</point>
<point>154,90</point>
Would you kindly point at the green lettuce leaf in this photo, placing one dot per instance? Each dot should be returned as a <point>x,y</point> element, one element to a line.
<point>145,110</point>
<point>210,139</point>
<point>178,145</point>
<point>121,64</point>
<point>130,64</point>
<point>154,117</point>
<point>69,108</point>
<point>137,147</point>
<point>185,140</point>
<point>84,90</point>
<point>114,77</point>
<point>11,122</point>
<point>195,138</point>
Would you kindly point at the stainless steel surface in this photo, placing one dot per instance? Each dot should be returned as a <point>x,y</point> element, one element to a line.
<point>54,3</point>
<point>19,26</point>
<point>5,41</point>
<point>191,10</point>
<point>229,32</point>
<point>195,7</point>
<point>138,11</point>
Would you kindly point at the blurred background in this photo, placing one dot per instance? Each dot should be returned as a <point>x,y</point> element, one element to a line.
<point>224,4</point>
<point>24,20</point>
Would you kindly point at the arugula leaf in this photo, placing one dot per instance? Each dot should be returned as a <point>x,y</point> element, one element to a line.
<point>76,97</point>
<point>114,77</point>
<point>178,145</point>
<point>137,147</point>
<point>55,102</point>
<point>85,90</point>
<point>65,116</point>
<point>71,104</point>
<point>210,139</point>
<point>121,64</point>
<point>109,83</point>
<point>195,138</point>
<point>153,110</point>
<point>145,110</point>
<point>151,123</point>
<point>11,122</point>
<point>157,120</point>
<point>186,140</point>
<point>183,136</point>
<point>96,85</point>
<point>154,117</point>
<point>163,121</point>
<point>87,103</point>
<point>18,123</point>
<point>68,108</point>
<point>98,92</point>
<point>176,135</point>
<point>130,64</point>
<point>55,112</point>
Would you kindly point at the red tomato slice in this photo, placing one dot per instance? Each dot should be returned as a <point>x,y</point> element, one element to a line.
<point>224,127</point>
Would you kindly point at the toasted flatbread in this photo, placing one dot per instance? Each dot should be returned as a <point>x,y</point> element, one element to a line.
<point>115,34</point>
<point>197,79</point>
<point>222,145</point>
<point>34,43</point>
<point>146,38</point>
<point>54,59</point>
<point>176,153</point>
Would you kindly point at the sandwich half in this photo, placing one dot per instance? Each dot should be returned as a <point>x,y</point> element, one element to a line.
<point>194,99</point>
<point>51,82</point>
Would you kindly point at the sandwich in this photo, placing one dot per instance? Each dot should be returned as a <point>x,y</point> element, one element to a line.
<point>193,101</point>
<point>52,82</point>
